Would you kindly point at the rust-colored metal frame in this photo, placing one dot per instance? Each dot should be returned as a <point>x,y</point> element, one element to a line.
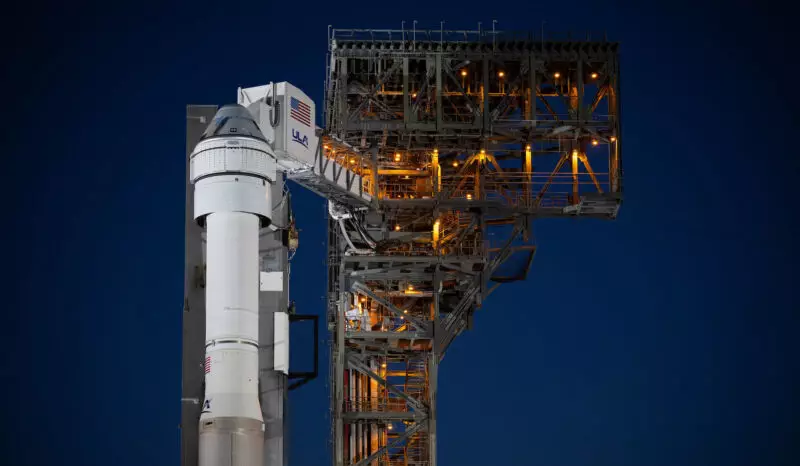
<point>455,134</point>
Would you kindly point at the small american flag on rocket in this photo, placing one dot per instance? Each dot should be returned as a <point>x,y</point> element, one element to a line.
<point>300,111</point>
<point>208,364</point>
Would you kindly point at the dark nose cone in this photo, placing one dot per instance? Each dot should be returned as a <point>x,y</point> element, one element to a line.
<point>233,120</point>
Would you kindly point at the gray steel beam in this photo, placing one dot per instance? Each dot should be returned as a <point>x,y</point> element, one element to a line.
<point>433,371</point>
<point>579,110</point>
<point>353,416</point>
<point>433,387</point>
<point>391,259</point>
<point>198,118</point>
<point>339,362</point>
<point>421,335</point>
<point>532,85</point>
<point>273,384</point>
<point>341,90</point>
<point>464,129</point>
<point>486,112</point>
<point>500,209</point>
<point>504,252</point>
<point>381,272</point>
<point>406,113</point>
<point>439,92</point>
<point>397,275</point>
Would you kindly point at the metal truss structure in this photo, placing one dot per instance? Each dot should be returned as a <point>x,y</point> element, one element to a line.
<point>461,139</point>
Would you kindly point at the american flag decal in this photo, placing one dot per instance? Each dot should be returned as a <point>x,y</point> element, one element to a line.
<point>208,364</point>
<point>300,111</point>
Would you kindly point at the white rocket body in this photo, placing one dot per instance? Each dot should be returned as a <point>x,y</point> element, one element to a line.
<point>231,363</point>
<point>232,168</point>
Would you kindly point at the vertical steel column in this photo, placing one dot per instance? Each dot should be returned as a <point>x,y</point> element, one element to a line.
<point>530,103</point>
<point>439,117</point>
<point>433,370</point>
<point>341,88</point>
<point>579,98</point>
<point>198,118</point>
<point>615,110</point>
<point>407,117</point>
<point>485,97</point>
<point>273,382</point>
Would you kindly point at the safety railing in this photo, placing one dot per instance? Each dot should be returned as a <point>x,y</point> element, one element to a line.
<point>483,33</point>
<point>511,186</point>
<point>388,324</point>
<point>386,405</point>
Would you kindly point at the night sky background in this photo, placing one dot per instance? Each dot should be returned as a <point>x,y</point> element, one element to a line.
<point>665,338</point>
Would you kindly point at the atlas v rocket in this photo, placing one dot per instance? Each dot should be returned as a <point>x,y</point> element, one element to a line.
<point>232,169</point>
<point>235,377</point>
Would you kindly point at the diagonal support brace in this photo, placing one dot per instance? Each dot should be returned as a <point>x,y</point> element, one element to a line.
<point>362,288</point>
<point>357,364</point>
<point>408,433</point>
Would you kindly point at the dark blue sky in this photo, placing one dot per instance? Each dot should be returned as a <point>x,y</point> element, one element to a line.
<point>668,337</point>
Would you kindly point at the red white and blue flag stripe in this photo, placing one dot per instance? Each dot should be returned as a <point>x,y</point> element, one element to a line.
<point>208,364</point>
<point>300,111</point>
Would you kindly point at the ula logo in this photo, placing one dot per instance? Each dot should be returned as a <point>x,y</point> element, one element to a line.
<point>297,137</point>
<point>206,407</point>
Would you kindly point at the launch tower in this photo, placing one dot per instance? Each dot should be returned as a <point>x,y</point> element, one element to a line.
<point>462,138</point>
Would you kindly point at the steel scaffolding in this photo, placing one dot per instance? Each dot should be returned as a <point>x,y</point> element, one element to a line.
<point>462,139</point>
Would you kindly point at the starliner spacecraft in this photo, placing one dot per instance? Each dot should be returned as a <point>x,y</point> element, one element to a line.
<point>240,232</point>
